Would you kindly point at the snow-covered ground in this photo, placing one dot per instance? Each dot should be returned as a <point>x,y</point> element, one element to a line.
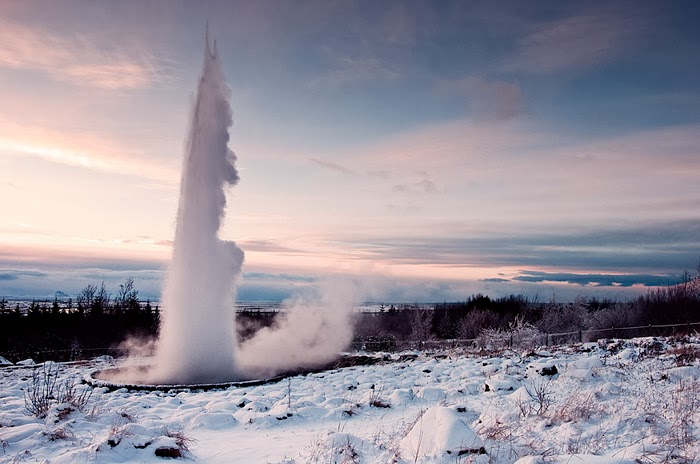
<point>618,401</point>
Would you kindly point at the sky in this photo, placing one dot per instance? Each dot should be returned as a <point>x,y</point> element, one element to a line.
<point>431,150</point>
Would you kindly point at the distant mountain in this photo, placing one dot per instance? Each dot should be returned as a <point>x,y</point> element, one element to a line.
<point>60,295</point>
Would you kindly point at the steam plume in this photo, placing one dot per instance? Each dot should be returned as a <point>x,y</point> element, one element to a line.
<point>311,332</point>
<point>197,340</point>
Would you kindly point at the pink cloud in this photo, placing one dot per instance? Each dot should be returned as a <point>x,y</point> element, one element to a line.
<point>349,69</point>
<point>333,166</point>
<point>84,149</point>
<point>486,98</point>
<point>575,42</point>
<point>76,59</point>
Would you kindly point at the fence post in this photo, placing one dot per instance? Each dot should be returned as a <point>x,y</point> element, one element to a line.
<point>546,338</point>
<point>511,340</point>
<point>580,335</point>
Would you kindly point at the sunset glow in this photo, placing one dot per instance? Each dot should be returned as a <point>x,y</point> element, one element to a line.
<point>435,149</point>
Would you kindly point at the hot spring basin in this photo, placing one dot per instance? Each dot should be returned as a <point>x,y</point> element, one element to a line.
<point>101,378</point>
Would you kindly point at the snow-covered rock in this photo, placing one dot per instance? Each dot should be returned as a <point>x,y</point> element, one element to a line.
<point>500,383</point>
<point>440,434</point>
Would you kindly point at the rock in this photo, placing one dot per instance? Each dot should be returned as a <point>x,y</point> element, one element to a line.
<point>439,433</point>
<point>168,452</point>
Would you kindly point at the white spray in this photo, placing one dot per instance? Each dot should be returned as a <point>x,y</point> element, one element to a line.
<point>310,332</point>
<point>197,338</point>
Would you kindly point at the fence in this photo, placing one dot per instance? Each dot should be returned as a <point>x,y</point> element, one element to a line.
<point>390,344</point>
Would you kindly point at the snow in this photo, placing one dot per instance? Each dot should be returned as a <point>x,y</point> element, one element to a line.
<point>440,434</point>
<point>609,402</point>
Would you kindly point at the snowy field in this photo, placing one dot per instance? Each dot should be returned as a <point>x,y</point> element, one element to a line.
<point>617,401</point>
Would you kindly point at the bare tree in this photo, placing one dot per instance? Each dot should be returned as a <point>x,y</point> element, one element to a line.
<point>127,297</point>
<point>100,302</point>
<point>86,298</point>
<point>421,321</point>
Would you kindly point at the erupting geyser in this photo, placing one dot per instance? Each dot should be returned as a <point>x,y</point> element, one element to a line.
<point>197,338</point>
<point>197,342</point>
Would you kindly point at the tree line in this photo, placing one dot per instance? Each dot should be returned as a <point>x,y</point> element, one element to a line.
<point>580,320</point>
<point>97,322</point>
<point>94,323</point>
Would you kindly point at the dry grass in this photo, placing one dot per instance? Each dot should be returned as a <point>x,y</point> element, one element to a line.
<point>45,391</point>
<point>576,407</point>
<point>685,355</point>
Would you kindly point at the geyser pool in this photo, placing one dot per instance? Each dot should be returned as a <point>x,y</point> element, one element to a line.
<point>133,377</point>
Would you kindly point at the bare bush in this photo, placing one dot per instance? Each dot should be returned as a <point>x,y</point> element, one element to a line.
<point>182,441</point>
<point>59,433</point>
<point>376,400</point>
<point>672,410</point>
<point>685,400</point>
<point>421,324</point>
<point>344,451</point>
<point>685,355</point>
<point>541,395</point>
<point>478,320</point>
<point>45,391</point>
<point>577,406</point>
<point>521,335</point>
<point>619,315</point>
<point>41,394</point>
<point>562,318</point>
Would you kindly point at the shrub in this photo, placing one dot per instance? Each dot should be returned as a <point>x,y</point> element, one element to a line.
<point>45,391</point>
<point>520,334</point>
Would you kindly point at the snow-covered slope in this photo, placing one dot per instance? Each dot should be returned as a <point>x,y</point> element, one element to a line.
<point>619,401</point>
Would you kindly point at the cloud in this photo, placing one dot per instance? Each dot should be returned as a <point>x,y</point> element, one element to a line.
<point>266,246</point>
<point>42,279</point>
<point>455,145</point>
<point>346,171</point>
<point>84,149</point>
<point>77,60</point>
<point>576,42</point>
<point>604,280</point>
<point>333,166</point>
<point>348,70</point>
<point>424,185</point>
<point>487,99</point>
<point>12,274</point>
<point>661,247</point>
<point>147,240</point>
<point>279,277</point>
<point>520,172</point>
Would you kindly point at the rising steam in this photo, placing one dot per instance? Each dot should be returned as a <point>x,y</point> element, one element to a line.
<point>197,336</point>
<point>197,339</point>
<point>310,332</point>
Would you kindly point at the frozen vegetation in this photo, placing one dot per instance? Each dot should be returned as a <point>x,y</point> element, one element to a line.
<point>617,401</point>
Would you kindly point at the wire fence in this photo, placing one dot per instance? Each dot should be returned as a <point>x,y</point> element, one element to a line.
<point>546,338</point>
<point>389,343</point>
